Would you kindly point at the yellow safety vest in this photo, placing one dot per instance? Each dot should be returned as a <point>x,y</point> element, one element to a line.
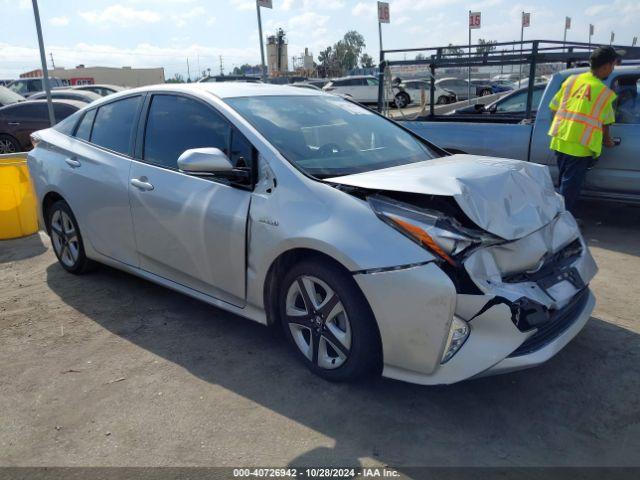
<point>583,105</point>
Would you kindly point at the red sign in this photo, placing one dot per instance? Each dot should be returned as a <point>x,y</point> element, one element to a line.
<point>383,12</point>
<point>474,20</point>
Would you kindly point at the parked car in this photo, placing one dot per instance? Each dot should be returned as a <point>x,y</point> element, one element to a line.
<point>616,174</point>
<point>101,89</point>
<point>371,247</point>
<point>510,104</point>
<point>68,94</point>
<point>8,97</point>
<point>229,78</point>
<point>414,89</point>
<point>458,86</point>
<point>28,86</point>
<point>305,85</point>
<point>364,89</point>
<point>19,120</point>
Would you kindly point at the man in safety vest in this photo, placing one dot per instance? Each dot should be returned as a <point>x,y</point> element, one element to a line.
<point>583,112</point>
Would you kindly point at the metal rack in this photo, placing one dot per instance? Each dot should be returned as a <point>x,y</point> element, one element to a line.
<point>529,52</point>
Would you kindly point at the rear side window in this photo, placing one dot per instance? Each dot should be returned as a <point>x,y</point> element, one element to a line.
<point>84,129</point>
<point>113,125</point>
<point>176,124</point>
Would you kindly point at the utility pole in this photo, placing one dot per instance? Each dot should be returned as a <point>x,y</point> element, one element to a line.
<point>188,72</point>
<point>221,66</point>
<point>567,26</point>
<point>43,61</point>
<point>591,30</point>
<point>266,4</point>
<point>198,63</point>
<point>53,64</point>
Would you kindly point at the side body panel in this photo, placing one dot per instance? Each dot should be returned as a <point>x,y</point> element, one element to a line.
<point>492,139</point>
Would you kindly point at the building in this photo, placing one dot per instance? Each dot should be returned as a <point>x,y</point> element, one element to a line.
<point>125,76</point>
<point>277,60</point>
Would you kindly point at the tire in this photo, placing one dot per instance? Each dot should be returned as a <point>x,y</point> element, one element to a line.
<point>485,92</point>
<point>8,144</point>
<point>402,100</point>
<point>66,239</point>
<point>335,335</point>
<point>442,100</point>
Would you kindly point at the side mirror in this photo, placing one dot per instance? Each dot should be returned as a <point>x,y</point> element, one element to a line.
<point>204,161</point>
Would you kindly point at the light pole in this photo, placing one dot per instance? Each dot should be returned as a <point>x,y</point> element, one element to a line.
<point>43,61</point>
<point>266,4</point>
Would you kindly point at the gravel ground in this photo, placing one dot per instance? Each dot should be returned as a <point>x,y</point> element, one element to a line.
<point>107,369</point>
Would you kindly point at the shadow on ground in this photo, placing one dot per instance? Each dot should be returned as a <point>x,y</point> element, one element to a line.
<point>605,224</point>
<point>30,246</point>
<point>570,411</point>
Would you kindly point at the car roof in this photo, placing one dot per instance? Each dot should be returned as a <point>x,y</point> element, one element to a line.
<point>105,85</point>
<point>222,90</point>
<point>349,77</point>
<point>619,68</point>
<point>74,103</point>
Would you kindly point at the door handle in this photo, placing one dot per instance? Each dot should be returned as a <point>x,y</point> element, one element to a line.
<point>141,184</point>
<point>72,162</point>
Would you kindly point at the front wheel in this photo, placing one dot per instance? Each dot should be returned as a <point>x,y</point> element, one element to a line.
<point>401,100</point>
<point>328,322</point>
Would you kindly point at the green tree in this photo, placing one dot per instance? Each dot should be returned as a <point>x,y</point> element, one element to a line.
<point>348,50</point>
<point>451,50</point>
<point>485,46</point>
<point>327,57</point>
<point>366,61</point>
<point>177,78</point>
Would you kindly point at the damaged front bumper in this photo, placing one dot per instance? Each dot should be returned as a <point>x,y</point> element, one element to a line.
<point>532,298</point>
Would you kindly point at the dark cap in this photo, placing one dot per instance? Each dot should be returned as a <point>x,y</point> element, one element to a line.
<point>603,55</point>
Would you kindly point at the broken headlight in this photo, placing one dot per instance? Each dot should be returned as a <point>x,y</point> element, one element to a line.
<point>442,235</point>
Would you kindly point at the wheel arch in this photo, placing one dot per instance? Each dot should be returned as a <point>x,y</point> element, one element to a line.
<point>280,265</point>
<point>47,201</point>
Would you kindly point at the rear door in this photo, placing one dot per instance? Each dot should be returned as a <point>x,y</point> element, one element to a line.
<point>189,229</point>
<point>95,177</point>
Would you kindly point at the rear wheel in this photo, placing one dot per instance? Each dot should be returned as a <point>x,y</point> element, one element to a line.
<point>66,239</point>
<point>328,322</point>
<point>8,144</point>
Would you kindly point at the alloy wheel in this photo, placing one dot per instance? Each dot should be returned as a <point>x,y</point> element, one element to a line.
<point>65,238</point>
<point>318,322</point>
<point>7,146</point>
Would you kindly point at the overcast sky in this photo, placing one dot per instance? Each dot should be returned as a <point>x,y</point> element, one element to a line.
<point>148,33</point>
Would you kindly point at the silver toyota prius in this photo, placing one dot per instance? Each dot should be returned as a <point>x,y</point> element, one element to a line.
<point>375,250</point>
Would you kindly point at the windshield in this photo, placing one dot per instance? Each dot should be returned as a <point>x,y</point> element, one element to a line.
<point>7,97</point>
<point>18,87</point>
<point>327,136</point>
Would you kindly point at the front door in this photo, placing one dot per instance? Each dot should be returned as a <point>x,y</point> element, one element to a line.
<point>618,168</point>
<point>191,230</point>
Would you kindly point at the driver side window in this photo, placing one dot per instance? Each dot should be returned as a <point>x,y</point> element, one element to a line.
<point>176,123</point>
<point>627,104</point>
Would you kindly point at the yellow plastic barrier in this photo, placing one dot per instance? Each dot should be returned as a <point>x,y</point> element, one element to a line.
<point>18,216</point>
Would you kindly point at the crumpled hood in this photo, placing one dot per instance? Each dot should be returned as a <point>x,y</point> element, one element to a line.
<point>508,198</point>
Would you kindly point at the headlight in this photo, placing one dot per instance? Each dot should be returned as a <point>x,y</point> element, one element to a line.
<point>437,232</point>
<point>458,334</point>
